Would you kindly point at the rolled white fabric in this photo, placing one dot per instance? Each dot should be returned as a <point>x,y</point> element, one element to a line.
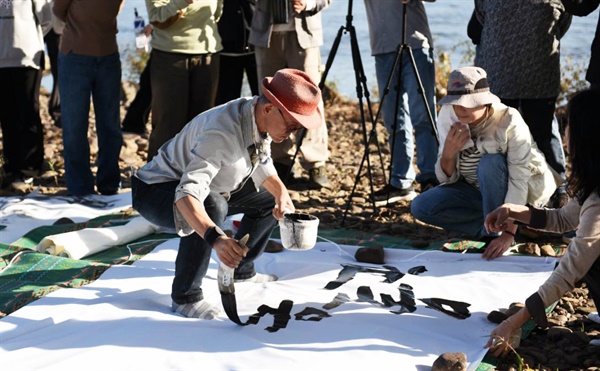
<point>88,241</point>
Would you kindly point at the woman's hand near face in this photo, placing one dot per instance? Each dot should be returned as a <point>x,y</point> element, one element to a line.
<point>457,136</point>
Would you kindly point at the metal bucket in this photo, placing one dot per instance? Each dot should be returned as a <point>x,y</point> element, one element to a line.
<point>298,231</point>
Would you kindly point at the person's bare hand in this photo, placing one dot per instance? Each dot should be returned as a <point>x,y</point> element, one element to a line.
<point>147,30</point>
<point>458,135</point>
<point>498,246</point>
<point>284,205</point>
<point>229,251</point>
<point>299,6</point>
<point>499,341</point>
<point>496,221</point>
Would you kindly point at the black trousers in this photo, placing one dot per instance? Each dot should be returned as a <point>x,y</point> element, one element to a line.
<point>22,131</point>
<point>592,280</point>
<point>231,76</point>
<point>52,40</point>
<point>139,110</point>
<point>539,116</point>
<point>155,203</point>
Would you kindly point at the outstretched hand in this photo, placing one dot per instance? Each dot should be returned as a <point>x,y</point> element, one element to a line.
<point>496,221</point>
<point>498,246</point>
<point>502,339</point>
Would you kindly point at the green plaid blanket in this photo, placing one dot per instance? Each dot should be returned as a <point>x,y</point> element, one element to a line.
<point>26,275</point>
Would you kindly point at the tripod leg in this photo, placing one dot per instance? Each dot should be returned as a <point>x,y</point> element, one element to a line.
<point>334,48</point>
<point>363,80</point>
<point>399,58</point>
<point>397,62</point>
<point>422,92</point>
<point>360,79</point>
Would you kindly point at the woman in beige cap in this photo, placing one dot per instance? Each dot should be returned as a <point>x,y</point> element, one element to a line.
<point>487,157</point>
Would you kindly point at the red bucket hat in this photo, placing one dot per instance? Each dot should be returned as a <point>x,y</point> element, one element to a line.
<point>296,96</point>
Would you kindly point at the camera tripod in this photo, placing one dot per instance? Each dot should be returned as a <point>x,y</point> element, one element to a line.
<point>361,85</point>
<point>402,47</point>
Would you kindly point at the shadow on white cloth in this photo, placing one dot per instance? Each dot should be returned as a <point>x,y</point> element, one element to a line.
<point>123,320</point>
<point>20,215</point>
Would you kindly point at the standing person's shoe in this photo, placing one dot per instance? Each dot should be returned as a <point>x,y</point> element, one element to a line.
<point>318,177</point>
<point>22,185</point>
<point>390,194</point>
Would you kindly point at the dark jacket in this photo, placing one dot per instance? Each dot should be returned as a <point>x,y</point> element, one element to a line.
<point>474,29</point>
<point>234,26</point>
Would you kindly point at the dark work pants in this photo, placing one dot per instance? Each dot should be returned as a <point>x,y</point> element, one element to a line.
<point>231,76</point>
<point>183,85</point>
<point>52,40</point>
<point>155,203</point>
<point>139,110</point>
<point>22,131</point>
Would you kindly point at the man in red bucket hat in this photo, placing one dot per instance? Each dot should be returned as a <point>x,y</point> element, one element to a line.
<point>220,165</point>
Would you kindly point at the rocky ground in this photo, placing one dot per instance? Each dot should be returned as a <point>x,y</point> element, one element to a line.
<point>564,346</point>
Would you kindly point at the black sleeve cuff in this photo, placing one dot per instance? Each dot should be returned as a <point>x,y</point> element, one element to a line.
<point>536,308</point>
<point>212,234</point>
<point>538,217</point>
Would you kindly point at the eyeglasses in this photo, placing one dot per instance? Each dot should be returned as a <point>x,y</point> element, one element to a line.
<point>290,126</point>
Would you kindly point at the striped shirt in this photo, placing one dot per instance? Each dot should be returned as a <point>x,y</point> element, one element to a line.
<point>468,162</point>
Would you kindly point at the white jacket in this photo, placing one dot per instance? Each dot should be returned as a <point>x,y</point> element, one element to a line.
<point>530,179</point>
<point>23,24</point>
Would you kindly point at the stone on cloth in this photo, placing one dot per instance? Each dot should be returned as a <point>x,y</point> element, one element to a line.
<point>371,254</point>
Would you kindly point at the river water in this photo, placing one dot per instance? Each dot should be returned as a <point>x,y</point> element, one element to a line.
<point>447,18</point>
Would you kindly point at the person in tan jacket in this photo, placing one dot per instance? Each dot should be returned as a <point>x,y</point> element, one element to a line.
<point>582,212</point>
<point>288,34</point>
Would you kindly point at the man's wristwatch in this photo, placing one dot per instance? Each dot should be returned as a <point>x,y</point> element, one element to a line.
<point>213,234</point>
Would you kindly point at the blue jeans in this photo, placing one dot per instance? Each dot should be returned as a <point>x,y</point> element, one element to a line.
<point>155,203</point>
<point>460,206</point>
<point>412,114</point>
<point>78,77</point>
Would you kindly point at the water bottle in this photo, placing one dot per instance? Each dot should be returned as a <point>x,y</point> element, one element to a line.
<point>141,41</point>
<point>138,22</point>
